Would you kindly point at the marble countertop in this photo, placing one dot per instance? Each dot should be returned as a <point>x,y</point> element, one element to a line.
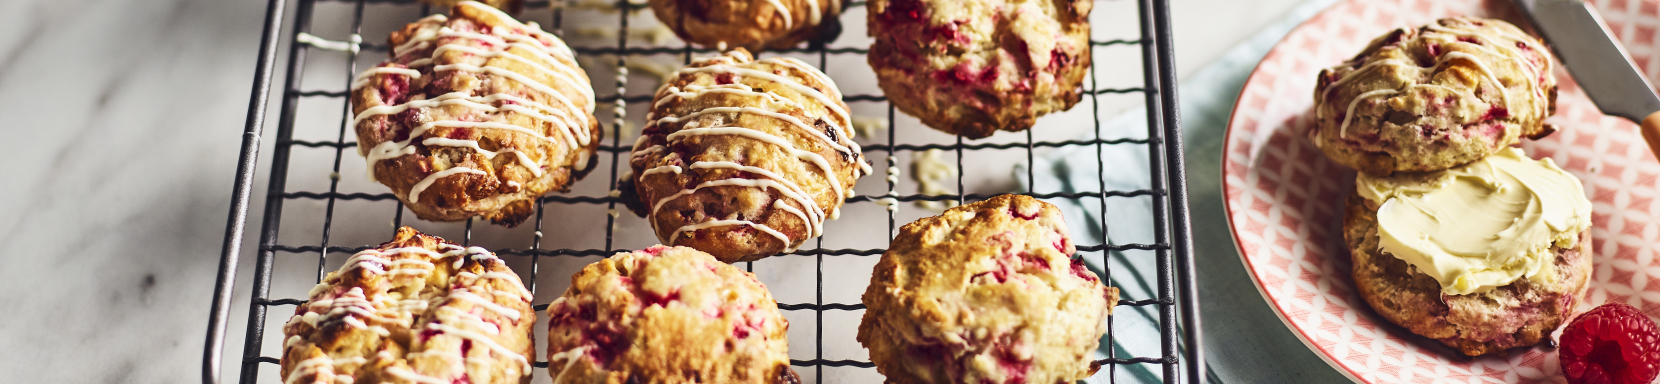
<point>124,124</point>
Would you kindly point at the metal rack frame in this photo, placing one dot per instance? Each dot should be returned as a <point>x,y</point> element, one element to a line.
<point>1176,287</point>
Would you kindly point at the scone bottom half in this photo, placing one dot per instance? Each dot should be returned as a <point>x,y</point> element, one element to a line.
<point>744,158</point>
<point>1434,97</point>
<point>1520,314</point>
<point>975,67</point>
<point>985,293</point>
<point>475,114</point>
<point>415,309</point>
<point>1483,257</point>
<point>667,315</point>
<point>751,24</point>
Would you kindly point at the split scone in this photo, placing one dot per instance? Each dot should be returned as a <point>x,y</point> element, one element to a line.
<point>985,293</point>
<point>476,114</point>
<point>1434,97</point>
<point>416,309</point>
<point>743,158</point>
<point>667,315</point>
<point>750,24</point>
<point>974,67</point>
<point>1483,257</point>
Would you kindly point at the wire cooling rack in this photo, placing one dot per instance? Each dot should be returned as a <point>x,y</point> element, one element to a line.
<point>341,212</point>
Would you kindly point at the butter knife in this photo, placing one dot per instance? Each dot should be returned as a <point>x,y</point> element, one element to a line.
<point>1598,62</point>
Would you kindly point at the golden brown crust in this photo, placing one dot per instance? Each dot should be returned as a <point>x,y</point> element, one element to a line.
<point>743,158</point>
<point>415,308</point>
<point>750,24</point>
<point>978,66</point>
<point>667,315</point>
<point>985,293</point>
<point>501,112</point>
<point>1434,97</point>
<point>1520,314</point>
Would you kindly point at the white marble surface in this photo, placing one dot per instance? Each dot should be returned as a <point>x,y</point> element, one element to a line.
<point>123,125</point>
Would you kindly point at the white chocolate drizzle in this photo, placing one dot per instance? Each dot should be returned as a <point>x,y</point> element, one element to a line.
<point>406,374</point>
<point>508,42</point>
<point>320,43</point>
<point>415,192</point>
<point>570,357</point>
<point>357,310</point>
<point>785,12</point>
<point>1539,102</point>
<point>805,207</point>
<point>1343,130</point>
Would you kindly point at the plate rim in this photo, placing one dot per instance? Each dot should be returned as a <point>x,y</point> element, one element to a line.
<point>1227,203</point>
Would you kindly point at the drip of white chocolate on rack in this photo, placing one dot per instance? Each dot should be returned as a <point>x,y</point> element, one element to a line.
<point>810,212</point>
<point>358,310</point>
<point>929,170</point>
<point>547,49</point>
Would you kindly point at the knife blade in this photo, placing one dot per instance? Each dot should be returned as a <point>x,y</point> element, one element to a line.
<point>1601,66</point>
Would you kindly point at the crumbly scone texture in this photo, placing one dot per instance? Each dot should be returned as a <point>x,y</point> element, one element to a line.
<point>1434,97</point>
<point>667,315</point>
<point>1520,314</point>
<point>475,115</point>
<point>985,293</point>
<point>743,158</point>
<point>416,309</point>
<point>974,67</point>
<point>750,24</point>
<point>511,6</point>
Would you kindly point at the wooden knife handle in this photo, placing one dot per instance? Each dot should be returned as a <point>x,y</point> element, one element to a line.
<point>1651,132</point>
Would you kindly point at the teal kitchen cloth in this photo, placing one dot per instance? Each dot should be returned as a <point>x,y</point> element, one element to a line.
<point>1243,339</point>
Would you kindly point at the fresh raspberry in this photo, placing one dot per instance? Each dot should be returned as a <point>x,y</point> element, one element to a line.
<point>1612,344</point>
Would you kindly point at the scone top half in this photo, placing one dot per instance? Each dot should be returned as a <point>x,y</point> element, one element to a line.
<point>476,114</point>
<point>750,24</point>
<point>974,67</point>
<point>1434,97</point>
<point>744,158</point>
<point>667,315</point>
<point>415,309</point>
<point>1483,257</point>
<point>985,293</point>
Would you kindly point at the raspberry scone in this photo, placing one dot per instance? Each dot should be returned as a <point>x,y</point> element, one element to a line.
<point>511,6</point>
<point>1483,257</point>
<point>667,315</point>
<point>985,293</point>
<point>416,309</point>
<point>751,24</point>
<point>743,158</point>
<point>973,67</point>
<point>476,114</point>
<point>1434,97</point>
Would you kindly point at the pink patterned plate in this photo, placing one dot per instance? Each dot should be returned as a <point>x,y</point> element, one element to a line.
<point>1285,200</point>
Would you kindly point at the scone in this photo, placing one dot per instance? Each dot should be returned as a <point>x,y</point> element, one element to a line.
<point>667,315</point>
<point>511,6</point>
<point>1483,257</point>
<point>1434,97</point>
<point>416,309</point>
<point>475,115</point>
<point>974,67</point>
<point>751,24</point>
<point>985,293</point>
<point>743,158</point>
